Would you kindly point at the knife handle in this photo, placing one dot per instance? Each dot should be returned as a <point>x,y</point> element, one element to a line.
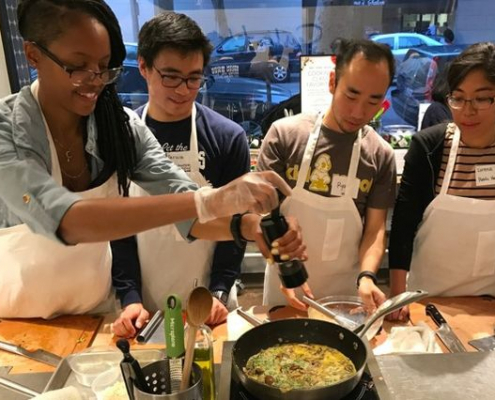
<point>435,315</point>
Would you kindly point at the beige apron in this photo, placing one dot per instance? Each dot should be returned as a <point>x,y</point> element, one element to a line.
<point>169,264</point>
<point>40,277</point>
<point>454,249</point>
<point>332,230</point>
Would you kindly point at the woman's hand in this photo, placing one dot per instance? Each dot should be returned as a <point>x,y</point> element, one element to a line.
<point>289,246</point>
<point>131,319</point>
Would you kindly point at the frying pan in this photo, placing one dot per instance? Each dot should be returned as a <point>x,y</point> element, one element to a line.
<point>304,330</point>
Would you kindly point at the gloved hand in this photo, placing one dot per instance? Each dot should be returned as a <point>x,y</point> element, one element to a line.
<point>254,192</point>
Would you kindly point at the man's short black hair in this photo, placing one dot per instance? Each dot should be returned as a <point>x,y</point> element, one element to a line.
<point>170,30</point>
<point>372,51</point>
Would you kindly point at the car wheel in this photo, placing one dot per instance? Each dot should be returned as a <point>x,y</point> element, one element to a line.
<point>280,73</point>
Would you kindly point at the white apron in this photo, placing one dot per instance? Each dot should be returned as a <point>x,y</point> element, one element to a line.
<point>43,278</point>
<point>454,249</point>
<point>332,230</point>
<point>169,264</point>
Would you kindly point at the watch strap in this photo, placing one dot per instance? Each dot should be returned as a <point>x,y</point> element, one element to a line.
<point>368,274</point>
<point>222,296</point>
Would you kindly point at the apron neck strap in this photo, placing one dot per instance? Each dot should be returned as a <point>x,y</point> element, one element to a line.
<point>309,151</point>
<point>451,161</point>
<point>56,171</point>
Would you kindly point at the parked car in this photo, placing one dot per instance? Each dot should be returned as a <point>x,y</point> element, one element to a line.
<point>268,54</point>
<point>401,42</point>
<point>415,77</point>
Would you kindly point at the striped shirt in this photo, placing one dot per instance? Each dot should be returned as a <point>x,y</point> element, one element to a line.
<point>463,182</point>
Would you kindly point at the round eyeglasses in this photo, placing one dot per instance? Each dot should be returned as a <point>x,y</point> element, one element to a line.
<point>478,103</point>
<point>79,77</point>
<point>174,81</point>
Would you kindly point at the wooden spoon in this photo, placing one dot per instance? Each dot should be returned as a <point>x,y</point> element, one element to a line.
<point>198,309</point>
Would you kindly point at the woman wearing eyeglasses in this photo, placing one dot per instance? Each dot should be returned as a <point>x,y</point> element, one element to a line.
<point>443,227</point>
<point>67,148</point>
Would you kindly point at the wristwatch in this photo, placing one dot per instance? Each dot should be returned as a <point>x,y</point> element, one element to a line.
<point>222,296</point>
<point>368,274</point>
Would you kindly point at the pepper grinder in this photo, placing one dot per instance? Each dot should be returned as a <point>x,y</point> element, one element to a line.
<point>292,273</point>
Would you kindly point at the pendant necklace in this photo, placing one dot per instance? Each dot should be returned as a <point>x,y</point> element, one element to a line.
<point>67,151</point>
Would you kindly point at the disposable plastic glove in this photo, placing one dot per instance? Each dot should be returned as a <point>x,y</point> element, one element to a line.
<point>254,192</point>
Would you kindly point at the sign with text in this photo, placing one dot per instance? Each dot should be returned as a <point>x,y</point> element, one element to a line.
<point>315,75</point>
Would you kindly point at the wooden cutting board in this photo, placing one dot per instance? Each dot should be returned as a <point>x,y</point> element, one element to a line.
<point>469,317</point>
<point>62,336</point>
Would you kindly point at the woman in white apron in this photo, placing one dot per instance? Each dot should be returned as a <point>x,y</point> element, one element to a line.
<point>332,229</point>
<point>41,215</point>
<point>454,248</point>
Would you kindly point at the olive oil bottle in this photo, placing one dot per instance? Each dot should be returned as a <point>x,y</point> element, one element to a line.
<point>203,356</point>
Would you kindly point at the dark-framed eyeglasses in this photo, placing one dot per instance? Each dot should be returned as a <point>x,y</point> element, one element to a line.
<point>174,81</point>
<point>478,103</point>
<point>80,77</point>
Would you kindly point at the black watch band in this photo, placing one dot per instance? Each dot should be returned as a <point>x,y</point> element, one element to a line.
<point>222,296</point>
<point>235,229</point>
<point>368,274</point>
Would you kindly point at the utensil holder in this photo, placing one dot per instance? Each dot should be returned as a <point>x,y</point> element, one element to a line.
<point>157,376</point>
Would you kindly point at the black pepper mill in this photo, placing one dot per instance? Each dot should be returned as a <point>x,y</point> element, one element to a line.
<point>292,273</point>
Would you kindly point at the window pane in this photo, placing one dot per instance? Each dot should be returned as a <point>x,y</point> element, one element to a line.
<point>257,45</point>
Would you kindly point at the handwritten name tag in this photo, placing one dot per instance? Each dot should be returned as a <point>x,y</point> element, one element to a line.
<point>339,183</point>
<point>485,175</point>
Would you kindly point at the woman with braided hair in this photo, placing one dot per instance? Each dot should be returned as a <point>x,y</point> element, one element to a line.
<point>68,151</point>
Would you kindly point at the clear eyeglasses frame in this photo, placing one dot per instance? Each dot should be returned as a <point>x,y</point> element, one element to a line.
<point>478,103</point>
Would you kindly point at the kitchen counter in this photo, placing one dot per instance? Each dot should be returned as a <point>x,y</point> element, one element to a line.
<point>470,317</point>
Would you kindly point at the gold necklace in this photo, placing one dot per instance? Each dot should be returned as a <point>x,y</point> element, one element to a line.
<point>78,175</point>
<point>67,151</point>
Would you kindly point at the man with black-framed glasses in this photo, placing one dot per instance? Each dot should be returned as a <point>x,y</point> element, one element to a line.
<point>213,150</point>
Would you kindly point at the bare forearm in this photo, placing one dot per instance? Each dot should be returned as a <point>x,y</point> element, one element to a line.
<point>371,250</point>
<point>219,229</point>
<point>97,220</point>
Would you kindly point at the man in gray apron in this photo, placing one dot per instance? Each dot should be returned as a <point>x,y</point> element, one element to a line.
<point>210,148</point>
<point>343,175</point>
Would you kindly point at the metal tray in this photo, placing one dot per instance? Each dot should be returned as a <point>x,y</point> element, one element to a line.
<point>64,376</point>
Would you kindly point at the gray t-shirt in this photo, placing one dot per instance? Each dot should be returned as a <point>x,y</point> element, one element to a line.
<point>283,149</point>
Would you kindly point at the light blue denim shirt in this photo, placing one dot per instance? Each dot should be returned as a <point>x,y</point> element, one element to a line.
<point>29,194</point>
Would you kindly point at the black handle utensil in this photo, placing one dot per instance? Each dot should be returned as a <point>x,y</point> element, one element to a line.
<point>435,315</point>
<point>292,273</point>
<point>131,370</point>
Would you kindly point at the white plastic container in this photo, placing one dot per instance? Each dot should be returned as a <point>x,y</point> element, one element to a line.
<point>86,366</point>
<point>110,385</point>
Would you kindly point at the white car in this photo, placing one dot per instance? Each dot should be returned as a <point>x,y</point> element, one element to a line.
<point>401,42</point>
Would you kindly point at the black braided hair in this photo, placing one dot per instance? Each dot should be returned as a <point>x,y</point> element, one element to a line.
<point>42,21</point>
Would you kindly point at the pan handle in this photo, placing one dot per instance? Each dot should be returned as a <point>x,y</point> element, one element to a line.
<point>390,305</point>
<point>17,387</point>
<point>345,322</point>
<point>255,321</point>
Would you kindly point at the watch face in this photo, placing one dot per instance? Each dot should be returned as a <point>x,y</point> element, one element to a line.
<point>222,296</point>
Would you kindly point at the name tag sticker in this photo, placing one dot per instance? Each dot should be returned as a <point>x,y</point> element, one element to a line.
<point>485,175</point>
<point>339,183</point>
<point>180,158</point>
